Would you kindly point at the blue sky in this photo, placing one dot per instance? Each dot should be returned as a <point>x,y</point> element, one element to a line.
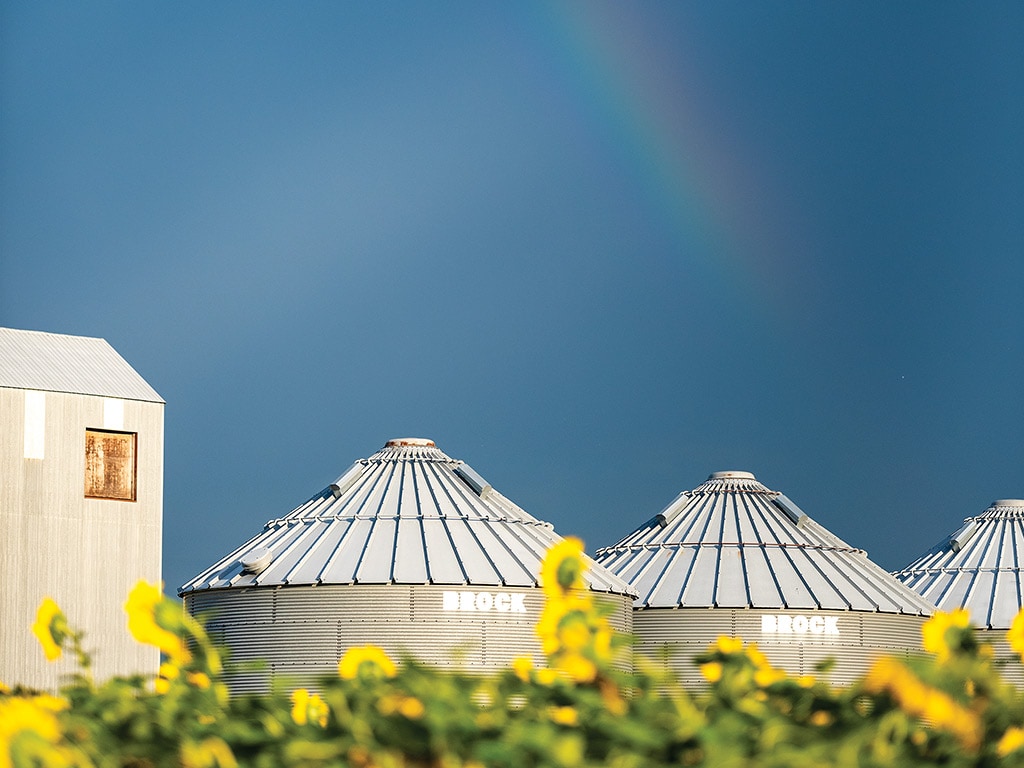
<point>596,250</point>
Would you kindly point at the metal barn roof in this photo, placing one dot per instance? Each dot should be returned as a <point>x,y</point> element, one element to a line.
<point>734,543</point>
<point>54,362</point>
<point>409,514</point>
<point>977,567</point>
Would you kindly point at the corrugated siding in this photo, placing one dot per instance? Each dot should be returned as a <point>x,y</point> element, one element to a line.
<point>244,605</point>
<point>276,643</point>
<point>984,575</point>
<point>681,634</point>
<point>728,544</point>
<point>1009,664</point>
<point>302,632</point>
<point>53,362</point>
<point>87,554</point>
<point>407,517</point>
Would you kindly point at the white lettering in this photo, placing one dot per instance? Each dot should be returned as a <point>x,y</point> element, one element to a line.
<point>502,602</point>
<point>799,624</point>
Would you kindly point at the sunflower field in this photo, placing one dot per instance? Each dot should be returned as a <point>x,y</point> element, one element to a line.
<point>578,706</point>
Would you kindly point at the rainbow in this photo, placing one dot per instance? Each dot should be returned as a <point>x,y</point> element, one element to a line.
<point>630,70</point>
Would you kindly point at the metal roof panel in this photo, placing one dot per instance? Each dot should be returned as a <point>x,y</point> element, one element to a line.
<point>442,562</point>
<point>410,553</point>
<point>731,589</point>
<point>54,362</point>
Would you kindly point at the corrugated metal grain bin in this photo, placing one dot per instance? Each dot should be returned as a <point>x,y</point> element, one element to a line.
<point>409,550</point>
<point>978,567</point>
<point>733,557</point>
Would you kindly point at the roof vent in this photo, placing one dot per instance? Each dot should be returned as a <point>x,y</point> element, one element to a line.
<point>347,480</point>
<point>962,536</point>
<point>793,512</point>
<point>256,560</point>
<point>471,478</point>
<point>670,512</point>
<point>404,442</point>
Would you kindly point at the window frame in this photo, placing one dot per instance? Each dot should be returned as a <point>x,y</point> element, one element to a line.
<point>91,490</point>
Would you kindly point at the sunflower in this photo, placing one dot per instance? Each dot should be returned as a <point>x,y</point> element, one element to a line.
<point>365,660</point>
<point>563,567</point>
<point>51,628</point>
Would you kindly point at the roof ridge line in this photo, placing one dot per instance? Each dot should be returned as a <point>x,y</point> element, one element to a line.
<point>772,544</point>
<point>988,569</point>
<point>323,518</point>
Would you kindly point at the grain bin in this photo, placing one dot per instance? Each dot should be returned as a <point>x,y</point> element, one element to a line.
<point>410,550</point>
<point>978,567</point>
<point>733,557</point>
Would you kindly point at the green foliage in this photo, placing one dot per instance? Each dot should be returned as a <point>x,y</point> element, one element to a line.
<point>949,707</point>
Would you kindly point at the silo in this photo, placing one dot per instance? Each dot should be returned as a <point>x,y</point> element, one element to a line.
<point>978,567</point>
<point>409,550</point>
<point>733,557</point>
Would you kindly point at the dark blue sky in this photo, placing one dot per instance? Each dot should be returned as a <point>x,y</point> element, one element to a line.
<point>597,250</point>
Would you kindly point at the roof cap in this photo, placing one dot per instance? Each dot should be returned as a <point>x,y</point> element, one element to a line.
<point>732,474</point>
<point>401,442</point>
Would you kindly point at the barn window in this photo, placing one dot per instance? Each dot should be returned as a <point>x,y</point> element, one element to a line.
<point>110,464</point>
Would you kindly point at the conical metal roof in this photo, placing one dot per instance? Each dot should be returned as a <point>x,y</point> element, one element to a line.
<point>734,543</point>
<point>409,514</point>
<point>977,567</point>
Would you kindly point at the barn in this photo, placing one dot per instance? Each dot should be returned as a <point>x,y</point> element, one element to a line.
<point>81,499</point>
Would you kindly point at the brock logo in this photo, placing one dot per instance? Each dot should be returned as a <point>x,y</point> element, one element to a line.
<point>502,602</point>
<point>799,625</point>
